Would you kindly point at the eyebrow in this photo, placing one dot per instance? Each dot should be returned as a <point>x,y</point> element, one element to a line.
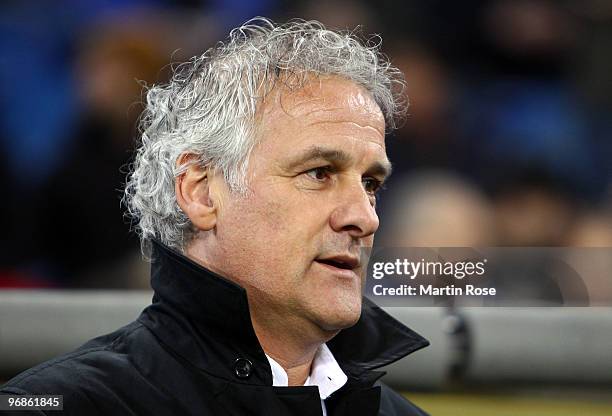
<point>382,168</point>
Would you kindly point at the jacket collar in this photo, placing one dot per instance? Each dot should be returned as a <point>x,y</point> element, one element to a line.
<point>204,318</point>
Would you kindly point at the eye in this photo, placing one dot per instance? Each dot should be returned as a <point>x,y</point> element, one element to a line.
<point>371,185</point>
<point>319,174</point>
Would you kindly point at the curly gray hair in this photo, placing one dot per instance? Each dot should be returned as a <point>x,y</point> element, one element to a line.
<point>208,109</point>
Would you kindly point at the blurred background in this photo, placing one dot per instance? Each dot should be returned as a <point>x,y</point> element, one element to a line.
<point>508,143</point>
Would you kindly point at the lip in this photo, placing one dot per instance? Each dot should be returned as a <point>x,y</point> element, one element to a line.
<point>349,263</point>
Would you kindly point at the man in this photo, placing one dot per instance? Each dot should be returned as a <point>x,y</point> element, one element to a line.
<point>255,191</point>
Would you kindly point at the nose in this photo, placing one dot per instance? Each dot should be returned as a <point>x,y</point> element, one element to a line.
<point>355,213</point>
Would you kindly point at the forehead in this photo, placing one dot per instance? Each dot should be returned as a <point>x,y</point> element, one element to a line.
<point>330,104</point>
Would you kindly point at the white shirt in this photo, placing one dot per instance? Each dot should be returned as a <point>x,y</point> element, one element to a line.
<point>324,373</point>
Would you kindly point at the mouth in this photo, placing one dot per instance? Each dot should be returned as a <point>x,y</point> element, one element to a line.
<point>342,265</point>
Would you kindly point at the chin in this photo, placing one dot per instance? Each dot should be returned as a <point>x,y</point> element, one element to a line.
<point>339,318</point>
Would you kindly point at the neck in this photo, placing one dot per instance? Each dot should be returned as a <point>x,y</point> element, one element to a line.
<point>294,354</point>
<point>290,341</point>
<point>297,372</point>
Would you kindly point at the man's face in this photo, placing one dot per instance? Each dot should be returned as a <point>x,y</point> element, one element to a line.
<point>294,240</point>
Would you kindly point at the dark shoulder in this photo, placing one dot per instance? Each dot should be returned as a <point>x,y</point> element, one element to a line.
<point>393,403</point>
<point>83,376</point>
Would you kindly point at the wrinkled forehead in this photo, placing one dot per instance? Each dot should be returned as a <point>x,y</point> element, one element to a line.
<point>323,98</point>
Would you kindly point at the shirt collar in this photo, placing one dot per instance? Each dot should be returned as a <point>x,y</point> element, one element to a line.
<point>325,372</point>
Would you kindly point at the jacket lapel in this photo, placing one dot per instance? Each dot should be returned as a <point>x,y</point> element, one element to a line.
<point>375,341</point>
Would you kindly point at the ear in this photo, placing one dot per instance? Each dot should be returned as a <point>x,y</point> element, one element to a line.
<point>193,194</point>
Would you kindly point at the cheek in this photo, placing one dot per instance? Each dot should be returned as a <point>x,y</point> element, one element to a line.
<point>276,230</point>
<point>263,230</point>
<point>282,213</point>
<point>276,218</point>
<point>261,221</point>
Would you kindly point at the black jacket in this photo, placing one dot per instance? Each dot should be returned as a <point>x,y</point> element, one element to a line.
<point>193,351</point>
